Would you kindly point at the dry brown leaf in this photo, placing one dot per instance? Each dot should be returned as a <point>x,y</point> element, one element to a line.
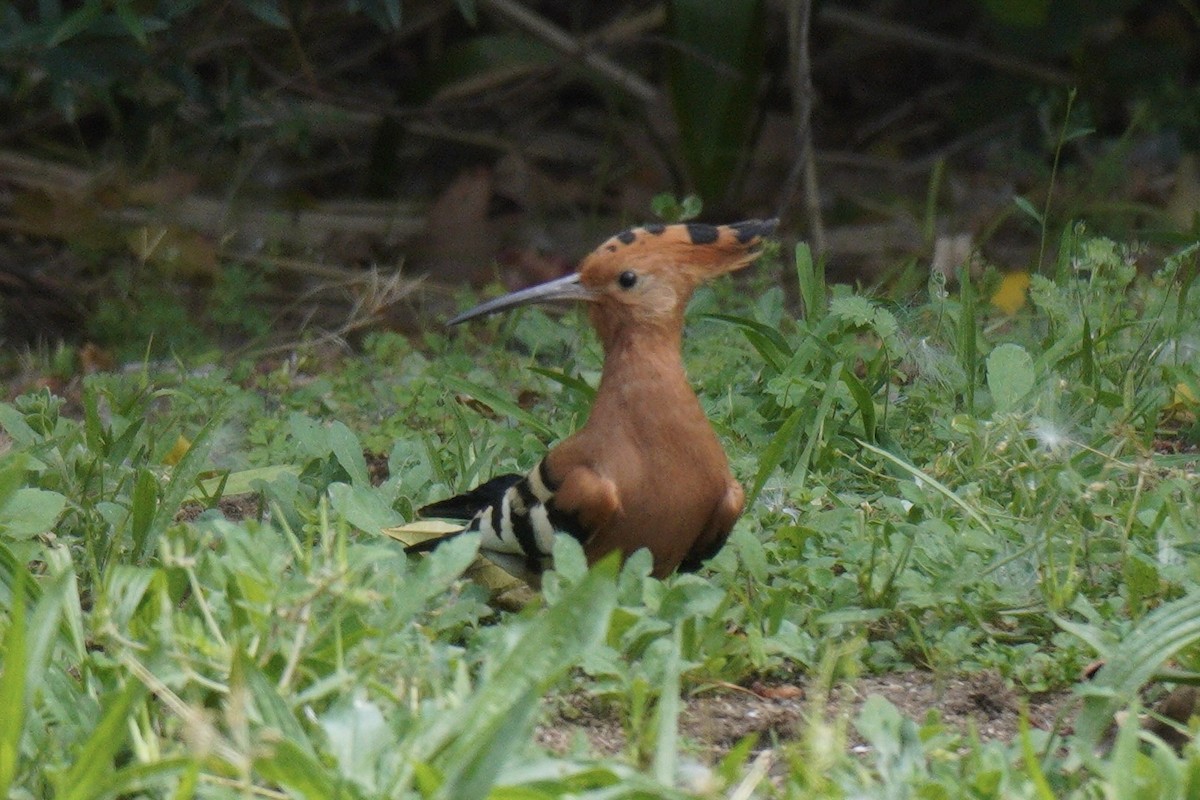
<point>783,691</point>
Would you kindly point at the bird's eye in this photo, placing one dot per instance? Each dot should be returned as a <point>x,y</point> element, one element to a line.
<point>627,279</point>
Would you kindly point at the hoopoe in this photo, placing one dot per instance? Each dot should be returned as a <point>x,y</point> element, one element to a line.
<point>646,469</point>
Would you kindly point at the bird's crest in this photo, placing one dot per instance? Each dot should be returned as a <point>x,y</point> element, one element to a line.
<point>708,250</point>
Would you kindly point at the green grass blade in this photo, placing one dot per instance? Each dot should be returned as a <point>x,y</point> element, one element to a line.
<point>144,505</point>
<point>142,779</point>
<point>272,708</point>
<point>571,382</point>
<point>774,452</point>
<point>289,765</point>
<point>1033,764</point>
<point>182,481</point>
<point>968,346</point>
<point>467,746</point>
<point>13,684</point>
<point>500,404</point>
<point>45,630</point>
<point>817,433</point>
<point>769,343</point>
<point>938,486</point>
<point>863,400</point>
<point>666,745</point>
<point>810,275</point>
<point>86,777</point>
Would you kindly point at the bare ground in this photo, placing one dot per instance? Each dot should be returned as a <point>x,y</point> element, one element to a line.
<point>713,722</point>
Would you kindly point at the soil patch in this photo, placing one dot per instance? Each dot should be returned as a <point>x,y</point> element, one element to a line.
<point>712,722</point>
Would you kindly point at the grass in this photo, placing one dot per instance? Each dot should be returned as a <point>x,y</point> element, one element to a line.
<point>936,486</point>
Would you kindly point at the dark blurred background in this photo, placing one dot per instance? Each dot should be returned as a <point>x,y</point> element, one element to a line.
<point>201,173</point>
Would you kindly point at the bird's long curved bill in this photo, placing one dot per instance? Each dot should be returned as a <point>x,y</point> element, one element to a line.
<point>561,289</point>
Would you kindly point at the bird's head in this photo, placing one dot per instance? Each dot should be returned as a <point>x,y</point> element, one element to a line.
<point>644,277</point>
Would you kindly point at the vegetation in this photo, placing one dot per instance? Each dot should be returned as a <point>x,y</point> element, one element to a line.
<point>959,475</point>
<point>934,487</point>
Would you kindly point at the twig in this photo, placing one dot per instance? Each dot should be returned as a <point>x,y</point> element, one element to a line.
<point>560,40</point>
<point>370,292</point>
<point>192,717</point>
<point>620,30</point>
<point>805,165</point>
<point>905,34</point>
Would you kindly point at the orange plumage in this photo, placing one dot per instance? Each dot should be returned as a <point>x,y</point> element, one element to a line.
<point>646,469</point>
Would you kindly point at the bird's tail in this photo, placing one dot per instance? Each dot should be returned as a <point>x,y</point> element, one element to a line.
<point>466,505</point>
<point>463,507</point>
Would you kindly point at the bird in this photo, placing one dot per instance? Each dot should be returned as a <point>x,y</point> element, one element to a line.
<point>646,469</point>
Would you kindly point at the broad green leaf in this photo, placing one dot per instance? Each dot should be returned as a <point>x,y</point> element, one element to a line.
<point>435,573</point>
<point>1010,376</point>
<point>569,559</point>
<point>13,469</point>
<point>30,512</point>
<point>363,507</point>
<point>242,481</point>
<point>14,424</point>
<point>862,399</point>
<point>358,734</point>
<point>1130,664</point>
<point>753,556</point>
<point>1028,208</point>
<point>144,505</point>
<point>349,453</point>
